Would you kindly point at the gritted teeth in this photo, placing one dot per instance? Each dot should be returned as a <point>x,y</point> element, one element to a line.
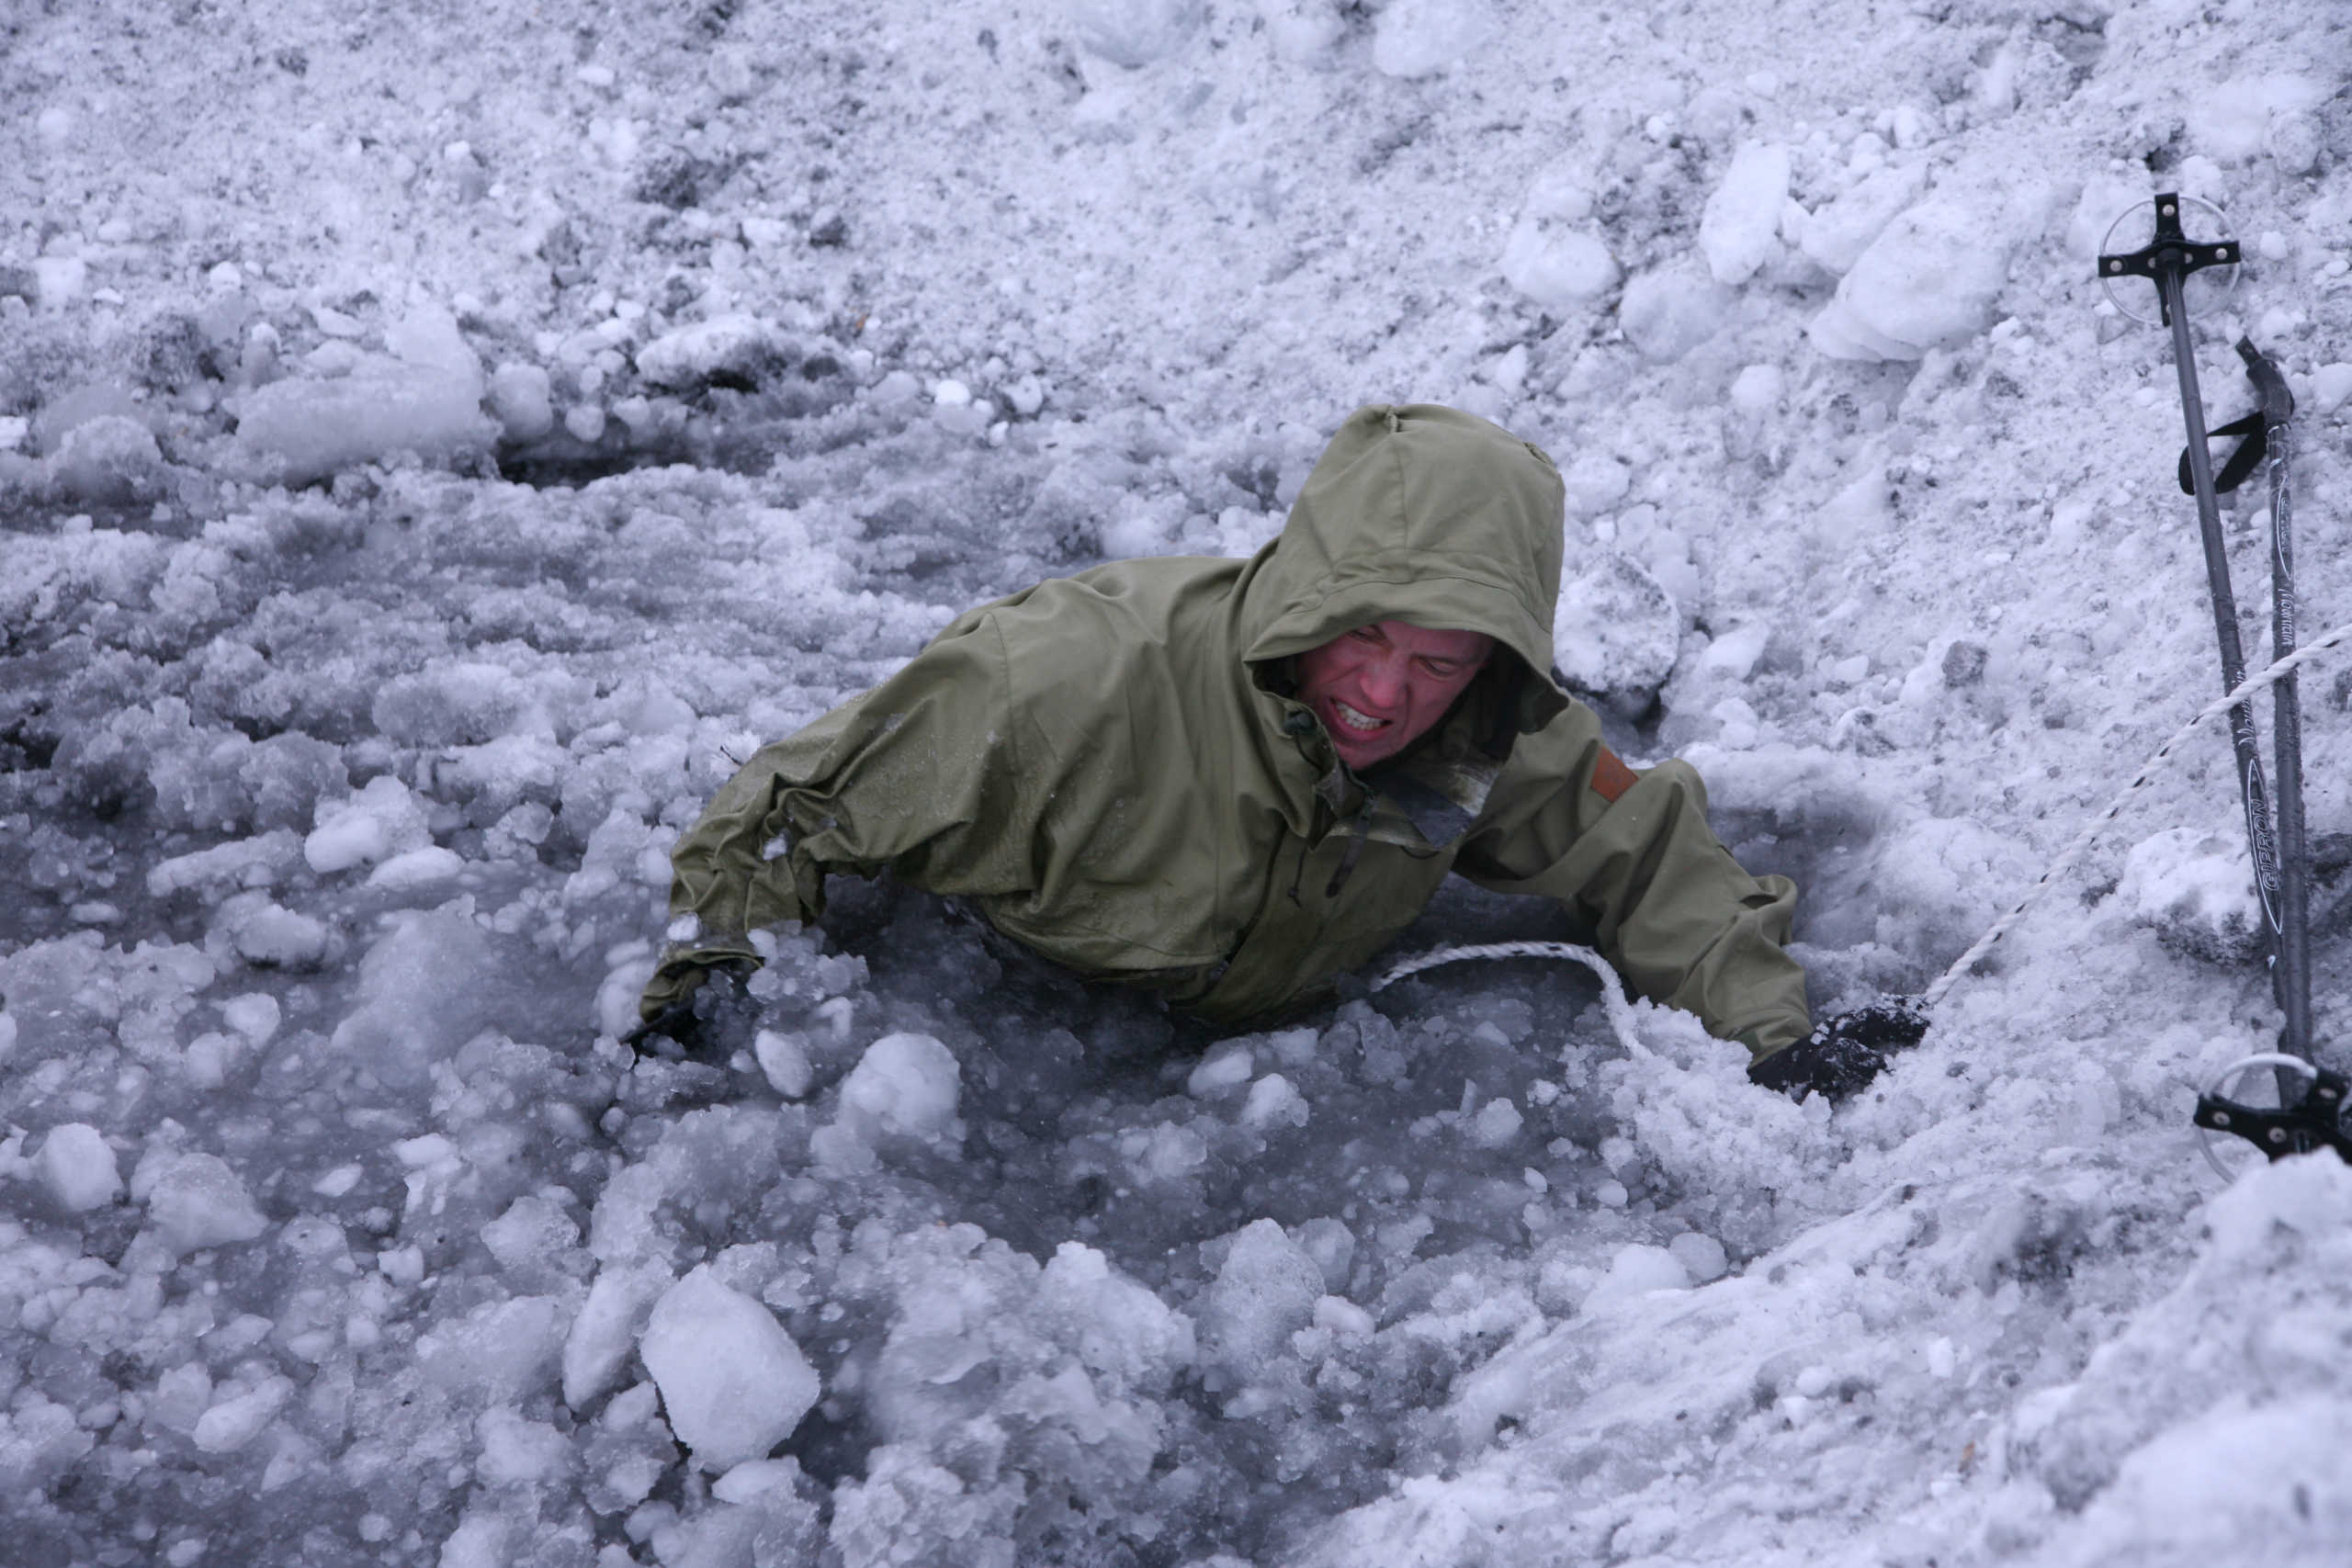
<point>1355,721</point>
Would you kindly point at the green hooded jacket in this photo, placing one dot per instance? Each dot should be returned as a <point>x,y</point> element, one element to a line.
<point>1110,768</point>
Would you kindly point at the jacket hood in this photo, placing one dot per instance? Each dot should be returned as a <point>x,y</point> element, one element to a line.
<point>1427,515</point>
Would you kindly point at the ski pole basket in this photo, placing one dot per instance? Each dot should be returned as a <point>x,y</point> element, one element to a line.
<point>2311,1122</point>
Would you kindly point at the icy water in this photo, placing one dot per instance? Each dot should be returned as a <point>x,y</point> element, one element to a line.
<point>434,449</point>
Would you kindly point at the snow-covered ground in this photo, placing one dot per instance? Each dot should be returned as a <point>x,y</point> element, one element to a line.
<point>433,445</point>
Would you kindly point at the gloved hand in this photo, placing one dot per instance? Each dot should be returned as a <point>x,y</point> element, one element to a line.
<point>1843,1053</point>
<point>708,1006</point>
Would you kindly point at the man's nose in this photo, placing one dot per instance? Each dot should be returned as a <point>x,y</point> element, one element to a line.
<point>1384,681</point>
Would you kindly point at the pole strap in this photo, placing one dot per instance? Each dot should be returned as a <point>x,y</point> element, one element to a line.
<point>2243,462</point>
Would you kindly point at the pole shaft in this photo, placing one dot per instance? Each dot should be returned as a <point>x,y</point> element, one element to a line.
<point>2259,841</point>
<point>2287,731</point>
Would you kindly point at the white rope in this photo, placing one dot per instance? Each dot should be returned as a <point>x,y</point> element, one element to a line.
<point>1612,990</point>
<point>2245,689</point>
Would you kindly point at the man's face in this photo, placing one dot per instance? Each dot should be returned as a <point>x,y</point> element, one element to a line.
<point>1378,688</point>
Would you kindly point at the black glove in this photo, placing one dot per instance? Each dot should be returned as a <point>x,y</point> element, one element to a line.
<point>707,1021</point>
<point>1843,1053</point>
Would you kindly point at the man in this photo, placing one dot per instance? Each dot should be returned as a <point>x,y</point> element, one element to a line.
<point>1230,781</point>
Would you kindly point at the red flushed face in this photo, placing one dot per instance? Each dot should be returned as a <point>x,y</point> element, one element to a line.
<point>1379,688</point>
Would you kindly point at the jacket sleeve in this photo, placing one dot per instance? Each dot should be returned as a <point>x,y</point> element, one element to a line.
<point>1633,860</point>
<point>919,774</point>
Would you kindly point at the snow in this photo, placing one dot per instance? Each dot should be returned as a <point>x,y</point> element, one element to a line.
<point>733,1383</point>
<point>433,455</point>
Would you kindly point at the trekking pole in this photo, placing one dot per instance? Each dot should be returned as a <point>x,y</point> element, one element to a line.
<point>2167,259</point>
<point>2281,863</point>
<point>2276,416</point>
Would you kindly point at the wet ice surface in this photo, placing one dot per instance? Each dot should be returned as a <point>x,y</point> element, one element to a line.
<point>645,390</point>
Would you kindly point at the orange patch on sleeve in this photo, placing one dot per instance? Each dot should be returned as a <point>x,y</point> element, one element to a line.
<point>1610,776</point>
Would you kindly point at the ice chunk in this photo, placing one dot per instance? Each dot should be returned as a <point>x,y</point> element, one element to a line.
<point>1668,312</point>
<point>1930,279</point>
<point>1301,30</point>
<point>1264,1292</point>
<point>2230,120</point>
<point>1634,1272</point>
<point>1497,1125</point>
<point>77,1167</point>
<point>784,1060</point>
<point>463,703</point>
<point>1163,1153</point>
<point>68,412</point>
<point>237,1419</point>
<point>1616,630</point>
<point>382,820</point>
<point>2331,385</point>
<point>1732,654</point>
<point>1836,233</point>
<point>1332,1245</point>
<point>1133,32</point>
<point>905,1085</point>
<point>254,1015</point>
<point>1758,389</point>
<point>302,431</point>
<point>740,350</point>
<point>523,399</point>
<point>1422,38</point>
<point>412,869</point>
<point>910,1511</point>
<point>1124,1333</point>
<point>426,986</point>
<point>1701,1257</point>
<point>1273,1101</point>
<point>1556,264</point>
<point>1223,1068</point>
<point>428,337</point>
<point>181,1396</point>
<point>534,1233</point>
<point>2195,889</point>
<point>606,1328</point>
<point>756,1478</point>
<point>268,934</point>
<point>732,1382</point>
<point>1594,483</point>
<point>194,1199</point>
<point>479,1541</point>
<point>1337,1315</point>
<point>1739,230</point>
<point>110,461</point>
<point>514,1450</point>
<point>503,1350</point>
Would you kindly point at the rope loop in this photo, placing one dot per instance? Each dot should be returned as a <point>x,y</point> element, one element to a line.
<point>1612,990</point>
